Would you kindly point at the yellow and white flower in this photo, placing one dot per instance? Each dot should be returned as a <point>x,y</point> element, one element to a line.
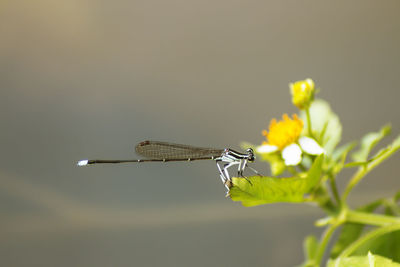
<point>284,137</point>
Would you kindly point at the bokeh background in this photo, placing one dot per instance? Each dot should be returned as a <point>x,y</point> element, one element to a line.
<point>89,79</point>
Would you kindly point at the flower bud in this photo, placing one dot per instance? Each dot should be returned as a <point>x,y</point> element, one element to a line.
<point>302,93</point>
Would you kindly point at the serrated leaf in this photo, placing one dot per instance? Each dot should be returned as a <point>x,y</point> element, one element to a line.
<point>263,190</point>
<point>368,142</point>
<point>257,190</point>
<point>325,124</point>
<point>369,260</point>
<point>352,231</point>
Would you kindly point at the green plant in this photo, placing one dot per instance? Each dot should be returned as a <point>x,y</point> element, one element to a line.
<point>306,147</point>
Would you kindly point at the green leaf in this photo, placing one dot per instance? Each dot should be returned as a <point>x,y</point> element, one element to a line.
<point>396,196</point>
<point>396,142</point>
<point>325,124</point>
<point>257,190</point>
<point>389,149</point>
<point>342,151</point>
<point>338,158</point>
<point>382,155</point>
<point>263,190</point>
<point>368,142</point>
<point>387,245</point>
<point>369,260</point>
<point>310,247</point>
<point>352,231</point>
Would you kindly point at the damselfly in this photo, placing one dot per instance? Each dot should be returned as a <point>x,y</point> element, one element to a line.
<point>157,151</point>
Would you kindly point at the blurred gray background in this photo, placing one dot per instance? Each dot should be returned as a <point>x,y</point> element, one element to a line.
<point>90,79</point>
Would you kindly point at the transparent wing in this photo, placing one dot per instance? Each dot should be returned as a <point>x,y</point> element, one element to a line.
<point>165,150</point>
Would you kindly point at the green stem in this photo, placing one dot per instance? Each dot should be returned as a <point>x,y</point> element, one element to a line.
<point>309,123</point>
<point>392,206</point>
<point>354,217</point>
<point>324,242</point>
<point>322,197</point>
<point>335,191</point>
<point>373,234</point>
<point>370,218</point>
<point>362,171</point>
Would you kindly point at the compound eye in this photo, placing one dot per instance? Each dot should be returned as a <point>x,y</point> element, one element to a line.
<point>251,154</point>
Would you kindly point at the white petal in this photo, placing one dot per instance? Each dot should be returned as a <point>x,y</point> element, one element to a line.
<point>310,146</point>
<point>266,149</point>
<point>292,155</point>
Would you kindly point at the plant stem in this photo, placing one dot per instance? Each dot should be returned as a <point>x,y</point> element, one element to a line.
<point>362,171</point>
<point>335,191</point>
<point>324,242</point>
<point>373,234</point>
<point>370,218</point>
<point>392,206</point>
<point>388,223</point>
<point>309,122</point>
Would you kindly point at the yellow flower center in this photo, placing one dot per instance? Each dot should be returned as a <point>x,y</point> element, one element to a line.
<point>283,133</point>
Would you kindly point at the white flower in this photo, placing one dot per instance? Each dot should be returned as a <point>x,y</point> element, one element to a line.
<point>292,153</point>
